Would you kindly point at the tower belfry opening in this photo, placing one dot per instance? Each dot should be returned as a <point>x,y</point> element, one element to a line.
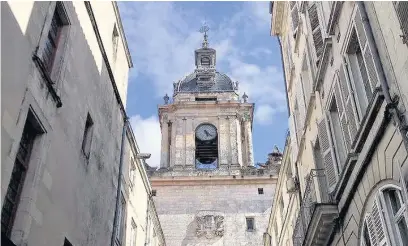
<point>206,142</point>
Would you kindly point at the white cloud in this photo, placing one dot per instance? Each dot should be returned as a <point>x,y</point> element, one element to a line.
<point>163,37</point>
<point>148,137</point>
<point>264,114</point>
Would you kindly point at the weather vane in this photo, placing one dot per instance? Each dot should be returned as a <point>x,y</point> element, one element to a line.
<point>204,29</point>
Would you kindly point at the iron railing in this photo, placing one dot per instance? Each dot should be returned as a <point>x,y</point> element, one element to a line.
<point>316,192</point>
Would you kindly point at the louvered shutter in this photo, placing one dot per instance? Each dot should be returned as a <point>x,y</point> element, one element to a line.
<point>294,15</point>
<point>401,8</point>
<point>379,225</point>
<point>302,110</point>
<point>343,116</point>
<point>367,47</point>
<point>294,143</point>
<point>349,120</point>
<point>371,230</point>
<point>326,148</point>
<point>317,35</point>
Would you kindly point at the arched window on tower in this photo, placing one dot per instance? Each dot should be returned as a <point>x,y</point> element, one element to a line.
<point>206,141</point>
<point>205,61</point>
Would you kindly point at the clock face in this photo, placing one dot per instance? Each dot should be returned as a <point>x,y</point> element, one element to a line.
<point>206,132</point>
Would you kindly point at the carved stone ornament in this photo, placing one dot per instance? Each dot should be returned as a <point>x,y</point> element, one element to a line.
<point>245,116</point>
<point>210,224</point>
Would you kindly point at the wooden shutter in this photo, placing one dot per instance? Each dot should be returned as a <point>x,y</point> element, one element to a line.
<point>379,225</point>
<point>293,139</point>
<point>295,15</point>
<point>371,230</point>
<point>368,48</point>
<point>401,8</point>
<point>342,116</point>
<point>317,35</point>
<point>348,106</point>
<point>326,148</point>
<point>301,118</point>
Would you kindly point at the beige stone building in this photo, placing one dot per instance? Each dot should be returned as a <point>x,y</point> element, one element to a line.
<point>207,190</point>
<point>346,66</point>
<point>65,139</point>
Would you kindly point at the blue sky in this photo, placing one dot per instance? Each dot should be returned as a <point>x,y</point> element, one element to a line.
<point>162,37</point>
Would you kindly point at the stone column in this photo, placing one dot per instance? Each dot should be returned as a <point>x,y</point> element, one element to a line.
<point>179,145</point>
<point>189,144</point>
<point>223,143</point>
<point>164,143</point>
<point>233,142</point>
<point>249,147</point>
<point>240,136</point>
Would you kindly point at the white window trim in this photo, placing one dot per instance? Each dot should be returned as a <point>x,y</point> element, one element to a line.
<point>385,215</point>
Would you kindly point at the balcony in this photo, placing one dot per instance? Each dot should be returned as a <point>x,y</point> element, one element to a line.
<point>317,214</point>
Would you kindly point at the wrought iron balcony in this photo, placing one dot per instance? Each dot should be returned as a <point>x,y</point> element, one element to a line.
<point>317,214</point>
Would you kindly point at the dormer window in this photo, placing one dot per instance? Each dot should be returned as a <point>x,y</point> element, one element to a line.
<point>205,61</point>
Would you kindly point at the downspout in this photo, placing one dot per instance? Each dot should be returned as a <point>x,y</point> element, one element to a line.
<point>147,220</point>
<point>392,104</point>
<point>119,186</point>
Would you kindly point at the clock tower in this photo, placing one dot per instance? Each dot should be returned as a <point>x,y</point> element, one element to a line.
<point>207,187</point>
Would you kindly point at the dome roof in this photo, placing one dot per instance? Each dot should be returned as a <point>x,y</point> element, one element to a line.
<point>221,83</point>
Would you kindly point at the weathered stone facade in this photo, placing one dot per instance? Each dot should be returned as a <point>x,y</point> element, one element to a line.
<point>69,190</point>
<point>346,66</point>
<point>210,206</point>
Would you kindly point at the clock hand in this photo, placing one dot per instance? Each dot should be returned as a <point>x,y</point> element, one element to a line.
<point>206,133</point>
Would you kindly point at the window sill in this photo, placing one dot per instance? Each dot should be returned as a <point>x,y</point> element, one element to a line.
<point>50,84</point>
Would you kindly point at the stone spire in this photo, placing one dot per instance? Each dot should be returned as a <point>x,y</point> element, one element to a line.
<point>204,29</point>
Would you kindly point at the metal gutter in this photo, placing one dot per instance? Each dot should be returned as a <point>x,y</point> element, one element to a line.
<point>119,187</point>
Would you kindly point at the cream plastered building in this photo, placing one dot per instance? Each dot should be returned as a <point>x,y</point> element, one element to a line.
<point>346,66</point>
<point>64,81</point>
<point>207,190</point>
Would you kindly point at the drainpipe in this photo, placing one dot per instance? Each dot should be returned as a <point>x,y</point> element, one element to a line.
<point>147,239</point>
<point>119,186</point>
<point>392,104</point>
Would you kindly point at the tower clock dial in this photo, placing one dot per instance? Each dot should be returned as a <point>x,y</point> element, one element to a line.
<point>206,132</point>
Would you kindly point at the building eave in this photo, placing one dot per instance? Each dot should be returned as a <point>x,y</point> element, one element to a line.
<point>122,33</point>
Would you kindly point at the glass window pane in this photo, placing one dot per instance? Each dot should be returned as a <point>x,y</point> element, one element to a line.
<point>402,228</point>
<point>394,200</point>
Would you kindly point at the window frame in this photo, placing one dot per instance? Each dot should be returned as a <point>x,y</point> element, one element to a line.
<point>132,172</point>
<point>387,217</point>
<point>253,223</point>
<point>115,43</point>
<point>87,137</point>
<point>133,233</point>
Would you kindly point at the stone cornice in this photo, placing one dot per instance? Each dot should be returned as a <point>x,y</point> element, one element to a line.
<point>211,180</point>
<point>277,17</point>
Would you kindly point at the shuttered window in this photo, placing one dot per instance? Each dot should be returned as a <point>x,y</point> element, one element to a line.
<point>294,15</point>
<point>335,113</point>
<point>401,7</point>
<point>317,35</point>
<point>347,107</point>
<point>327,152</point>
<point>386,224</point>
<point>363,66</point>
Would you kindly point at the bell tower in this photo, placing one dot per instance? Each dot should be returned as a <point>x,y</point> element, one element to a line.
<point>207,184</point>
<point>206,126</point>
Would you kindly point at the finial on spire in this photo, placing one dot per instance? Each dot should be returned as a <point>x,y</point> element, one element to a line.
<point>204,29</point>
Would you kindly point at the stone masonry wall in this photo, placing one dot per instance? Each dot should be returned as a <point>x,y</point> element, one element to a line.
<point>178,205</point>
